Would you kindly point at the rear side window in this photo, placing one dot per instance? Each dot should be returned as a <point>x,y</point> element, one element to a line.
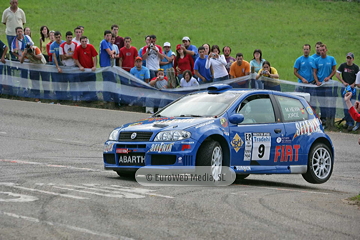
<point>292,109</point>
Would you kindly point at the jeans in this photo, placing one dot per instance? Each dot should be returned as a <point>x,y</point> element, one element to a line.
<point>226,77</point>
<point>10,40</point>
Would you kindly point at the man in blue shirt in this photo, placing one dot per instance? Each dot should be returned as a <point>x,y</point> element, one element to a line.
<point>106,54</point>
<point>57,78</point>
<point>203,74</point>
<point>189,49</point>
<point>324,70</point>
<point>140,71</point>
<point>303,70</point>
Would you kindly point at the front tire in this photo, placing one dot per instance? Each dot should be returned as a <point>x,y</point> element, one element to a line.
<point>211,154</point>
<point>320,164</point>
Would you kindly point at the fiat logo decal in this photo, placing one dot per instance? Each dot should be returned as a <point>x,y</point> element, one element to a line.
<point>133,135</point>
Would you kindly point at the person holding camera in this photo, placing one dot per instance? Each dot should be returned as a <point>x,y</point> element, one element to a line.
<point>34,55</point>
<point>346,73</point>
<point>152,54</point>
<point>269,72</point>
<point>353,110</point>
<point>218,64</point>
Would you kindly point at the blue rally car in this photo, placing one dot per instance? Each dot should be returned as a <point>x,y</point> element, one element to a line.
<point>251,131</point>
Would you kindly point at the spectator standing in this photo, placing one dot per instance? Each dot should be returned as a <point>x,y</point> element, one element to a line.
<point>116,49</point>
<point>167,63</point>
<point>85,57</point>
<point>153,55</point>
<point>119,41</point>
<point>229,59</point>
<point>57,78</point>
<point>346,73</point>
<point>255,66</point>
<point>189,49</point>
<point>203,74</point>
<point>324,70</point>
<point>140,71</point>
<point>183,61</point>
<point>127,56</point>
<point>317,50</point>
<point>106,54</point>
<point>207,48</point>
<point>147,43</point>
<point>27,31</point>
<point>218,63</point>
<point>66,54</point>
<point>44,40</point>
<point>3,51</point>
<point>13,17</point>
<point>270,72</point>
<point>240,68</point>
<point>52,39</point>
<point>188,80</point>
<point>303,69</point>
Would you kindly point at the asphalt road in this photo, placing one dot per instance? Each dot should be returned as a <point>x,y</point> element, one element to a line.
<point>53,186</point>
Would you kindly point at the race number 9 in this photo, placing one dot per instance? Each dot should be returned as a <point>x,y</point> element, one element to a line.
<point>261,146</point>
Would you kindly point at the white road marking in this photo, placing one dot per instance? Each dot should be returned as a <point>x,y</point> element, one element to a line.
<point>42,191</point>
<point>17,197</point>
<point>79,229</point>
<point>3,133</point>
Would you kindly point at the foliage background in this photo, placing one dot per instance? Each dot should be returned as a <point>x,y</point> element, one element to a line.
<point>278,28</point>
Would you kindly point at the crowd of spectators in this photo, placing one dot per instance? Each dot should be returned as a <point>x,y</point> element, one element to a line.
<point>187,66</point>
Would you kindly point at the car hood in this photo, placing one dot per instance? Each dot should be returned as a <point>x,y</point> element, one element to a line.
<point>164,123</point>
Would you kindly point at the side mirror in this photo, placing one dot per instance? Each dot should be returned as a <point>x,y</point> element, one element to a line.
<point>236,118</point>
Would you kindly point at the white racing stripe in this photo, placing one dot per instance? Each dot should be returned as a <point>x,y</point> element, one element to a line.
<point>78,229</point>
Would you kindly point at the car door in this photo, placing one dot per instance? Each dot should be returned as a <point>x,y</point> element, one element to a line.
<point>253,141</point>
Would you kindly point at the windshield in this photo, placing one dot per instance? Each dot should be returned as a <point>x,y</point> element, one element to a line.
<point>201,105</point>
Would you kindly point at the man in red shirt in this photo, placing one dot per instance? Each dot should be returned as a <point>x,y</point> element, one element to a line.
<point>127,55</point>
<point>85,57</point>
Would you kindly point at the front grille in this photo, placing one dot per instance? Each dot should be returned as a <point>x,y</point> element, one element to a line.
<point>163,159</point>
<point>140,136</point>
<point>136,146</point>
<point>109,158</point>
<point>188,161</point>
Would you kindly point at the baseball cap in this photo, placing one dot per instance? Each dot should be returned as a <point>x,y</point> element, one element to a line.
<point>186,39</point>
<point>350,55</point>
<point>178,46</point>
<point>167,44</point>
<point>138,58</point>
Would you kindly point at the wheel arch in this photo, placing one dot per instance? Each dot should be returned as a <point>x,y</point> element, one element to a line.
<point>224,145</point>
<point>326,142</point>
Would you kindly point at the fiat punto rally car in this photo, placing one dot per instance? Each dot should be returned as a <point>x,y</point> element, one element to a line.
<point>251,131</point>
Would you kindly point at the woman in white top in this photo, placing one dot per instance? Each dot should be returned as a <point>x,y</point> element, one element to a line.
<point>188,80</point>
<point>218,64</point>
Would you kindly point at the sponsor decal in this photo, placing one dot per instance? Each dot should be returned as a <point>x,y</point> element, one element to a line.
<point>283,140</point>
<point>302,111</point>
<point>243,168</point>
<point>224,122</point>
<point>248,146</point>
<point>185,146</point>
<point>180,160</point>
<point>261,145</point>
<point>307,127</point>
<point>287,153</point>
<point>226,133</point>
<point>204,124</point>
<point>161,147</point>
<point>237,142</point>
<point>123,150</point>
<point>131,159</point>
<point>310,111</point>
<point>175,121</point>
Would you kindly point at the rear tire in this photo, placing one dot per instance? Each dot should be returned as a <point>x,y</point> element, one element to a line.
<point>320,164</point>
<point>210,154</point>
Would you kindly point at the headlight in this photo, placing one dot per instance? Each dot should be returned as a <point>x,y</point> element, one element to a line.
<point>172,135</point>
<point>114,135</point>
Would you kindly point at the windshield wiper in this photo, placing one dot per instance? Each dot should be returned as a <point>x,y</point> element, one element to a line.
<point>190,115</point>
